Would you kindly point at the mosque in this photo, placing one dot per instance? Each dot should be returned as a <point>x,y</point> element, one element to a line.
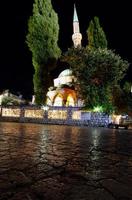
<point>64,93</point>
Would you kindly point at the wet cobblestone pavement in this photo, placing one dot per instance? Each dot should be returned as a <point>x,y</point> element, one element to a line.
<point>49,162</point>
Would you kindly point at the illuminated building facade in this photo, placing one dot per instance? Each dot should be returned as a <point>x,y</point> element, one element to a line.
<point>63,95</point>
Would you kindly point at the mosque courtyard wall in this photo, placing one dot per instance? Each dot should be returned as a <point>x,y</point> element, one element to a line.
<point>54,115</point>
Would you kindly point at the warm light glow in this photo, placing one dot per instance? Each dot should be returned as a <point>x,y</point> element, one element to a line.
<point>70,101</point>
<point>58,101</point>
<point>60,95</point>
<point>10,112</point>
<point>34,113</point>
<point>48,102</point>
<point>116,119</point>
<point>57,114</point>
<point>76,115</point>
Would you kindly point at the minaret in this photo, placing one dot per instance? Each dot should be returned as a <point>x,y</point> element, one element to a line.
<point>77,36</point>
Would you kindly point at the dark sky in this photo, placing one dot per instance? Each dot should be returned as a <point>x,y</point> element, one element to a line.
<point>16,62</point>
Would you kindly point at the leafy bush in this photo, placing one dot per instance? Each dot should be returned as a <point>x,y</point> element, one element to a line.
<point>98,71</point>
<point>7,101</point>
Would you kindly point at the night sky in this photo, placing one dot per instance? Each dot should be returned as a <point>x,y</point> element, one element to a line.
<point>16,68</point>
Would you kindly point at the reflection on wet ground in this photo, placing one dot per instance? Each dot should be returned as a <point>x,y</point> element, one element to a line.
<point>50,162</point>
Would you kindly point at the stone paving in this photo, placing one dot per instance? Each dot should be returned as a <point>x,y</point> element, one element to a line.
<point>49,162</point>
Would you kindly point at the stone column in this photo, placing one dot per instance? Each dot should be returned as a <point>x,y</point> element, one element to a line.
<point>45,109</point>
<point>22,114</point>
<point>69,115</point>
<point>0,111</point>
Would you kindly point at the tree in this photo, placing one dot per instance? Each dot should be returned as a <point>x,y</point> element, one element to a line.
<point>96,35</point>
<point>97,72</point>
<point>122,99</point>
<point>42,40</point>
<point>127,87</point>
<point>127,94</point>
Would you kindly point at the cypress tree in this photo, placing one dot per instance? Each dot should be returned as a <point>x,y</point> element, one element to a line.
<point>42,38</point>
<point>96,35</point>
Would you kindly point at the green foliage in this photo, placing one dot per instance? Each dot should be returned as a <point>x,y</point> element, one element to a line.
<point>127,96</point>
<point>127,87</point>
<point>42,38</point>
<point>96,35</point>
<point>6,101</point>
<point>128,99</point>
<point>97,72</point>
<point>122,99</point>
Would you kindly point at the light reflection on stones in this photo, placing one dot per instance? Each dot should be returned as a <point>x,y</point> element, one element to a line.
<point>63,162</point>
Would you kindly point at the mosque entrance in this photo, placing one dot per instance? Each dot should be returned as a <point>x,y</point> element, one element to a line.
<point>58,100</point>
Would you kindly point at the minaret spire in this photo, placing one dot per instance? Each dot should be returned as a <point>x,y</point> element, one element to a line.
<point>75,17</point>
<point>77,36</point>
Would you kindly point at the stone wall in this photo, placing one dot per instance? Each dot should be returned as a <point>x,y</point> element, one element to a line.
<point>54,115</point>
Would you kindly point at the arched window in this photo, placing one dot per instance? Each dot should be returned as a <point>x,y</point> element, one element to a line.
<point>70,101</point>
<point>58,100</point>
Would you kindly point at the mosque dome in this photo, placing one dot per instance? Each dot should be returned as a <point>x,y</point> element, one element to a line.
<point>66,72</point>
